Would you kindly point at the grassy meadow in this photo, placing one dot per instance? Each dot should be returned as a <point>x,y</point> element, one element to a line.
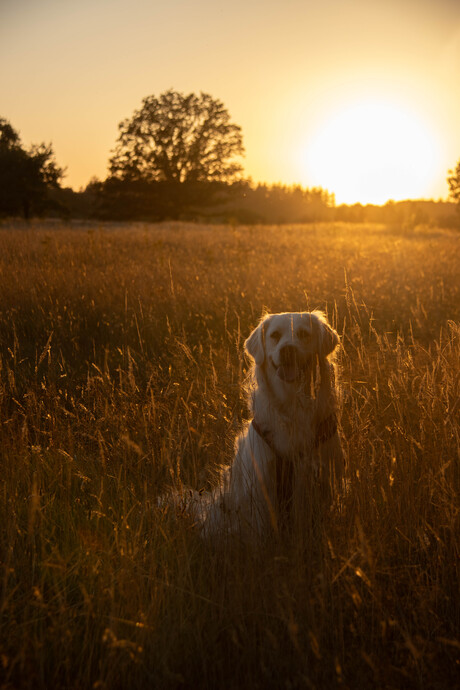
<point>121,373</point>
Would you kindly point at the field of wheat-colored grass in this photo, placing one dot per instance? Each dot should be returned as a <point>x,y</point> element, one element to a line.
<point>121,375</point>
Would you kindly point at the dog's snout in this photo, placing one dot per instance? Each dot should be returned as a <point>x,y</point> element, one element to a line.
<point>288,354</point>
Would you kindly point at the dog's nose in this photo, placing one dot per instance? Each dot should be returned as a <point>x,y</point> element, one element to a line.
<point>288,354</point>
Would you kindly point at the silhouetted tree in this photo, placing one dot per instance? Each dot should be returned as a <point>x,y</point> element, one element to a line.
<point>454,183</point>
<point>178,139</point>
<point>25,176</point>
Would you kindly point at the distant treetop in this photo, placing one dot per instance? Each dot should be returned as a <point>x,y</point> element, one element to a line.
<point>454,183</point>
<point>9,138</point>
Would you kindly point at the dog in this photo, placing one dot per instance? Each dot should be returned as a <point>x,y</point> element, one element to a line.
<point>291,450</point>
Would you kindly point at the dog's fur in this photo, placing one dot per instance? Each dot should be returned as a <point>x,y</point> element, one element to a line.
<point>292,446</point>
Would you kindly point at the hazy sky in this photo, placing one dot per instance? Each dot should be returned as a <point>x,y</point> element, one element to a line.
<point>361,97</point>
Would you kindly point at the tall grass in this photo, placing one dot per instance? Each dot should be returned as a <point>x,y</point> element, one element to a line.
<point>121,374</point>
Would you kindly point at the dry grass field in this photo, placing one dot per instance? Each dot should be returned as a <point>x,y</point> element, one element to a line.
<point>121,374</point>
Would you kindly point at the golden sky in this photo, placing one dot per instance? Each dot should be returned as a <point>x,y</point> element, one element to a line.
<point>361,97</point>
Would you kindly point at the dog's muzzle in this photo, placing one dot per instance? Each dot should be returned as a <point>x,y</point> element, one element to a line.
<point>291,364</point>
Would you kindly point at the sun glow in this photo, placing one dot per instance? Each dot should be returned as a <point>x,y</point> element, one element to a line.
<point>371,152</point>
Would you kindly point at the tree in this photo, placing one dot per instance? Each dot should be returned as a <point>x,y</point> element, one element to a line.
<point>25,176</point>
<point>454,183</point>
<point>178,139</point>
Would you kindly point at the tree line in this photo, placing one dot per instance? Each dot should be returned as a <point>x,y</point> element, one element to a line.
<point>177,157</point>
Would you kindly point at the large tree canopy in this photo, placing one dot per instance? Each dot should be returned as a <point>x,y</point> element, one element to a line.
<point>25,176</point>
<point>177,138</point>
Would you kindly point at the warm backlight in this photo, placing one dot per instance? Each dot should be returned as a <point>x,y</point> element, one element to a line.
<point>371,152</point>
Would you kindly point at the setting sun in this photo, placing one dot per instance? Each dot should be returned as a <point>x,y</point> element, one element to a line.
<point>372,151</point>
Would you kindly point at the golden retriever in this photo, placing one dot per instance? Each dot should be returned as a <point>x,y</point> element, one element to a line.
<point>292,446</point>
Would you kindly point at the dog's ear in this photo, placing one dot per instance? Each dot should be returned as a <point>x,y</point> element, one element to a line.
<point>328,338</point>
<point>255,344</point>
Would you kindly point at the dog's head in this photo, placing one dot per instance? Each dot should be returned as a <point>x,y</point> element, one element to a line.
<point>288,345</point>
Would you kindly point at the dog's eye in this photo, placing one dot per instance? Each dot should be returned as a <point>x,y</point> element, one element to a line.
<point>275,336</point>
<point>303,335</point>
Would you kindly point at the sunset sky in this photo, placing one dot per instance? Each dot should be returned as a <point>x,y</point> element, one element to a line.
<point>360,97</point>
